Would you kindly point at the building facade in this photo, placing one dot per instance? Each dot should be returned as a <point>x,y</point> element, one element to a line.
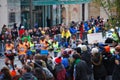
<point>47,12</point>
<point>10,12</point>
<point>52,12</point>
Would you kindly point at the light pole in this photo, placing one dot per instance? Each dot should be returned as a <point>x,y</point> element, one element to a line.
<point>31,14</point>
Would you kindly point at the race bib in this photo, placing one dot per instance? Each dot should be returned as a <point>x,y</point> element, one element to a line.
<point>22,49</point>
<point>32,48</point>
<point>8,51</point>
<point>42,45</point>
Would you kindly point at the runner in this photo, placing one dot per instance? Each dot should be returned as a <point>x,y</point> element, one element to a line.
<point>9,53</point>
<point>22,49</point>
<point>44,46</point>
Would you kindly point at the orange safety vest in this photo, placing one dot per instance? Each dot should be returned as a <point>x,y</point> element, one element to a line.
<point>9,47</point>
<point>22,49</point>
<point>27,44</point>
<point>44,45</point>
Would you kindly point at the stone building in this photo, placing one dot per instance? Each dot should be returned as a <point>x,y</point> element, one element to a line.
<point>10,12</point>
<point>46,12</point>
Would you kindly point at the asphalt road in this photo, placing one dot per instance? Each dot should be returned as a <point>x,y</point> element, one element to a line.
<point>2,64</point>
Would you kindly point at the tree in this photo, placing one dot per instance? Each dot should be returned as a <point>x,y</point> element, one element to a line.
<point>112,9</point>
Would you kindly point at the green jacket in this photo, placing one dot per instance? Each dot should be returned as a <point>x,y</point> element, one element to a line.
<point>28,38</point>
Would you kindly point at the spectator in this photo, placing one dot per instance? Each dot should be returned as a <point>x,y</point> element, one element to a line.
<point>80,68</point>
<point>5,74</point>
<point>86,56</point>
<point>116,72</point>
<point>66,35</point>
<point>26,74</point>
<point>38,72</point>
<point>60,72</point>
<point>99,70</point>
<point>21,31</point>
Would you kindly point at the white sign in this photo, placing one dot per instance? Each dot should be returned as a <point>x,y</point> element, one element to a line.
<point>95,38</point>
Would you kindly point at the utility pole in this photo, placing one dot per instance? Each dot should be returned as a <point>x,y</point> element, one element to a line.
<point>31,14</point>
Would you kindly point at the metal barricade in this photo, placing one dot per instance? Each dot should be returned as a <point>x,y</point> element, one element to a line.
<point>2,48</point>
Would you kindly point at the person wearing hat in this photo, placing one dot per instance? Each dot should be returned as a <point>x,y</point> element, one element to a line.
<point>60,72</point>
<point>86,56</point>
<point>21,31</point>
<point>99,70</point>
<point>116,72</point>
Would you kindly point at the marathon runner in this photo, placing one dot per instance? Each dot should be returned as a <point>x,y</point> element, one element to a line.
<point>22,49</point>
<point>9,53</point>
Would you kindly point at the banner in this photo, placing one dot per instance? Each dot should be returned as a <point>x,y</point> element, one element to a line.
<point>94,38</point>
<point>59,2</point>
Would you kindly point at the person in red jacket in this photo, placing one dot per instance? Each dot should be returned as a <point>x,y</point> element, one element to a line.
<point>81,29</point>
<point>21,31</point>
<point>60,72</point>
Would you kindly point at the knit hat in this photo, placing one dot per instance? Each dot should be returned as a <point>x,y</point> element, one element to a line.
<point>58,60</point>
<point>107,49</point>
<point>22,27</point>
<point>13,73</point>
<point>84,48</point>
<point>94,50</point>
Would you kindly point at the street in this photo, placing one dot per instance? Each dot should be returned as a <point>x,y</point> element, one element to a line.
<point>2,64</point>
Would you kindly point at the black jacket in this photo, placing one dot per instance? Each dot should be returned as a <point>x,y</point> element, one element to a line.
<point>98,67</point>
<point>86,56</point>
<point>81,71</point>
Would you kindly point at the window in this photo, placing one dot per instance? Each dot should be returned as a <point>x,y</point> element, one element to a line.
<point>11,17</point>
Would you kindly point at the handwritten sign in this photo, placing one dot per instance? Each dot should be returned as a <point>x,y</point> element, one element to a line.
<point>95,38</point>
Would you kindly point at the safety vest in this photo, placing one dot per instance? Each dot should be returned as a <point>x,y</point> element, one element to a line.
<point>22,49</point>
<point>32,47</point>
<point>27,44</point>
<point>115,37</point>
<point>9,47</point>
<point>43,44</point>
<point>50,44</point>
<point>56,47</point>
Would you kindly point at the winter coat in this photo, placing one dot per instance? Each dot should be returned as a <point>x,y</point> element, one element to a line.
<point>108,61</point>
<point>65,34</point>
<point>86,56</point>
<point>60,72</point>
<point>98,67</point>
<point>73,30</point>
<point>48,74</point>
<point>28,76</point>
<point>81,70</point>
<point>116,72</point>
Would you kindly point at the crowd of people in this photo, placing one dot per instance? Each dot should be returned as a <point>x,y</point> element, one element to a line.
<point>59,53</point>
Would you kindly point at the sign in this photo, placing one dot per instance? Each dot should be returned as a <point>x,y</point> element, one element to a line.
<point>44,52</point>
<point>94,38</point>
<point>58,2</point>
<point>53,2</point>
